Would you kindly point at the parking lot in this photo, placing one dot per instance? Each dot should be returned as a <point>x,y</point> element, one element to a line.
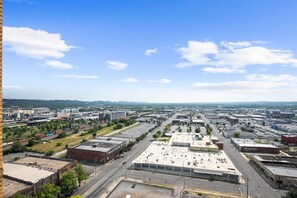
<point>126,188</point>
<point>136,131</point>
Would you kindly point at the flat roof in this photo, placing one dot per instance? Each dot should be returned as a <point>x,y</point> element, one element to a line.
<point>25,173</point>
<point>192,140</point>
<point>250,143</point>
<point>11,187</point>
<point>47,163</point>
<point>161,153</point>
<point>101,144</point>
<point>283,171</point>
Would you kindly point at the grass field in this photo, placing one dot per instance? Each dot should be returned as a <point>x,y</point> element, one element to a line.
<point>72,140</point>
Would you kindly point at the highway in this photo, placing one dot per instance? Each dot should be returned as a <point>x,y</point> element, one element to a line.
<point>258,187</point>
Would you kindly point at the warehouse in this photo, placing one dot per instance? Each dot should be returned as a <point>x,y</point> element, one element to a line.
<point>197,158</point>
<point>98,150</point>
<point>27,175</point>
<point>280,170</point>
<point>248,145</point>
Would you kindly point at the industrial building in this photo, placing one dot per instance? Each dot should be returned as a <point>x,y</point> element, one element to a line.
<point>281,171</point>
<point>232,119</point>
<point>110,116</point>
<point>181,119</point>
<point>195,120</point>
<point>190,155</point>
<point>98,150</point>
<point>27,175</point>
<point>248,145</point>
<point>289,139</point>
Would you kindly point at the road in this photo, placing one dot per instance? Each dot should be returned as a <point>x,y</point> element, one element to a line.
<point>258,187</point>
<point>97,184</point>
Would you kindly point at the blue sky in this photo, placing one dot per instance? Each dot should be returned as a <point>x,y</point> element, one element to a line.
<point>154,51</point>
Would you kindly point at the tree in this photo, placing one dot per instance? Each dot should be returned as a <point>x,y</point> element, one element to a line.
<point>49,153</point>
<point>31,143</point>
<point>292,193</point>
<point>197,130</point>
<point>94,134</point>
<point>62,135</point>
<point>119,126</point>
<point>81,173</point>
<point>49,191</point>
<point>68,183</point>
<point>18,147</point>
<point>237,134</point>
<point>21,196</point>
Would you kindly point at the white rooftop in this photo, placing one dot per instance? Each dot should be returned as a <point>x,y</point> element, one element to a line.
<point>25,173</point>
<point>250,143</point>
<point>192,139</point>
<point>164,154</point>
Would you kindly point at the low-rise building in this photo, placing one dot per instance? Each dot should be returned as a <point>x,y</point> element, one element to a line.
<point>289,139</point>
<point>248,145</point>
<point>27,175</point>
<point>281,171</point>
<point>98,150</point>
<point>190,155</point>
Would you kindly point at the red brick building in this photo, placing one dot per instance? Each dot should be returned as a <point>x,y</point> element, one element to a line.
<point>289,139</point>
<point>98,150</point>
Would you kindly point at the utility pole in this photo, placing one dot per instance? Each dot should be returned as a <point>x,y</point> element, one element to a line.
<point>247,187</point>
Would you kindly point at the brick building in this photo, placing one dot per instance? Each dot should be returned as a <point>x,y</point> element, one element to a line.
<point>289,139</point>
<point>98,150</point>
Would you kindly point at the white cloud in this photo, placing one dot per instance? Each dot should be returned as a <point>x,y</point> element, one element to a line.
<point>150,52</point>
<point>13,87</point>
<point>116,65</point>
<point>162,81</point>
<point>232,57</point>
<point>225,70</point>
<point>34,43</point>
<point>58,64</point>
<point>130,80</point>
<point>254,82</point>
<point>76,76</point>
<point>196,53</point>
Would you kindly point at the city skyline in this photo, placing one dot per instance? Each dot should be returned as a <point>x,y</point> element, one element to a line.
<point>186,51</point>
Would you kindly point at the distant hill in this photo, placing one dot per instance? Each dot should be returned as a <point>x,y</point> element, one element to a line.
<point>58,104</point>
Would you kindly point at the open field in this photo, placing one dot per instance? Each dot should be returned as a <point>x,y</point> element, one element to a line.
<point>71,140</point>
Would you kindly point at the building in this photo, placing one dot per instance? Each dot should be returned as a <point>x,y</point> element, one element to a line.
<point>232,119</point>
<point>281,171</point>
<point>98,150</point>
<point>112,115</point>
<point>289,139</point>
<point>248,145</point>
<point>181,119</point>
<point>27,175</point>
<point>186,154</point>
<point>195,120</point>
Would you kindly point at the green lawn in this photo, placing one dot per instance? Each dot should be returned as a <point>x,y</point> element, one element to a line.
<point>72,140</point>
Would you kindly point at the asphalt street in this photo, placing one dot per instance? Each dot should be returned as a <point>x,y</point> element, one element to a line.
<point>258,187</point>
<point>97,184</point>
